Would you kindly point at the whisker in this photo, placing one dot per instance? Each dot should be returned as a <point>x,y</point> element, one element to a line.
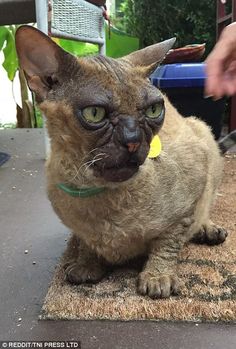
<point>84,166</point>
<point>89,164</point>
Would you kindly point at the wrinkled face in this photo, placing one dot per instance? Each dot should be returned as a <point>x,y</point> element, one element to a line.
<point>112,111</point>
<point>121,111</point>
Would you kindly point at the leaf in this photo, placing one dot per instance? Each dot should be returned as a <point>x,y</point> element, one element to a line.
<point>120,44</point>
<point>78,48</point>
<point>10,63</point>
<point>3,36</point>
<point>152,21</point>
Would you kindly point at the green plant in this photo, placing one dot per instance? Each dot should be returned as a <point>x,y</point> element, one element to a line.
<point>7,44</point>
<point>151,21</point>
<point>9,125</point>
<point>29,115</point>
<point>77,48</point>
<point>25,115</point>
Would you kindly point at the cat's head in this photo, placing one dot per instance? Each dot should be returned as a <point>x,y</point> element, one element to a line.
<point>100,111</point>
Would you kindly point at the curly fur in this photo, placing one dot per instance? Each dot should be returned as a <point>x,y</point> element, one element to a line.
<point>164,205</point>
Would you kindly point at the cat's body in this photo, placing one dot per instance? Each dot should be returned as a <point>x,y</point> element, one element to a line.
<point>102,115</point>
<point>121,222</point>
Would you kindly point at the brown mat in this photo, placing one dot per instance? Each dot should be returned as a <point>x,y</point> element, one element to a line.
<point>209,274</point>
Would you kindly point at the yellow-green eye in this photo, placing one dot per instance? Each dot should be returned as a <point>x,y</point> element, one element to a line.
<point>94,114</point>
<point>154,110</point>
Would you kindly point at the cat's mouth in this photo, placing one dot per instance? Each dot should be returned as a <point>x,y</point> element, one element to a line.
<point>117,164</point>
<point>115,174</point>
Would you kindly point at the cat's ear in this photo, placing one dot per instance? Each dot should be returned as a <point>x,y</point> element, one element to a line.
<point>40,58</point>
<point>150,56</point>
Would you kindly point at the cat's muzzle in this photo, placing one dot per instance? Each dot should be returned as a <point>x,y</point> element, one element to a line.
<point>126,150</point>
<point>120,171</point>
<point>116,174</point>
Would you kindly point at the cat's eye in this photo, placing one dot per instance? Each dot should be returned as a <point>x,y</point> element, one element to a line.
<point>94,114</point>
<point>154,111</point>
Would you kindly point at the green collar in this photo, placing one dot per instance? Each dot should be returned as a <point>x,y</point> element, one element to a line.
<point>80,192</point>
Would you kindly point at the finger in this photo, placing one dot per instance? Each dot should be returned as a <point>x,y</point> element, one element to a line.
<point>229,87</point>
<point>222,50</point>
<point>219,83</point>
<point>214,75</point>
<point>213,87</point>
<point>229,79</point>
<point>216,64</point>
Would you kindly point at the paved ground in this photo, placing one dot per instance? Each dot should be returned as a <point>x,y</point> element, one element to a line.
<point>27,222</point>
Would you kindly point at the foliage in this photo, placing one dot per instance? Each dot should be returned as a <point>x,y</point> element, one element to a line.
<point>118,44</point>
<point>151,21</point>
<point>30,116</point>
<point>7,43</point>
<point>39,117</point>
<point>9,125</point>
<point>77,48</point>
<point>25,114</point>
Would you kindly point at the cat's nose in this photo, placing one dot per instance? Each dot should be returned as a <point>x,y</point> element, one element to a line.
<point>132,147</point>
<point>131,134</point>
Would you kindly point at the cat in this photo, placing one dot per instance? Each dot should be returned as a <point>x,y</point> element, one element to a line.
<point>102,115</point>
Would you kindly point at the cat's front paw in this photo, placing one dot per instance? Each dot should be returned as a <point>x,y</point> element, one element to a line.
<point>210,234</point>
<point>157,285</point>
<point>78,273</point>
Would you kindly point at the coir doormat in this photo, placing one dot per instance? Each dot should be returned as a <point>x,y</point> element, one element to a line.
<point>209,275</point>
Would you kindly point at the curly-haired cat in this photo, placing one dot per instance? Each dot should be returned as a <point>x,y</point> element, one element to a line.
<point>102,114</point>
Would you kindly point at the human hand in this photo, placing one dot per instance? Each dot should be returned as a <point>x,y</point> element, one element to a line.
<point>221,65</point>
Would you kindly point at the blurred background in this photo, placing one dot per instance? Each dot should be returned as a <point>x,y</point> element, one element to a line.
<point>131,25</point>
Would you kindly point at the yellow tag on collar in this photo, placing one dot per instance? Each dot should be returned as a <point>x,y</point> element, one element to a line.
<point>155,147</point>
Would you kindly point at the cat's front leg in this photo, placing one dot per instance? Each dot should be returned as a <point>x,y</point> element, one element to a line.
<point>159,276</point>
<point>86,267</point>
